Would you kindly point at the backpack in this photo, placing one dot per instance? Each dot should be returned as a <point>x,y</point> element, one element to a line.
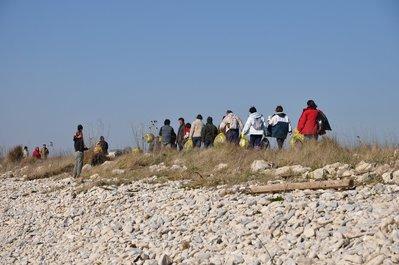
<point>258,123</point>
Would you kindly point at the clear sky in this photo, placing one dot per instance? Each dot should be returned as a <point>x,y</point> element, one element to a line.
<point>68,62</point>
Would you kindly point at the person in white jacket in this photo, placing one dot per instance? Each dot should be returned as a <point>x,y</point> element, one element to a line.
<point>255,127</point>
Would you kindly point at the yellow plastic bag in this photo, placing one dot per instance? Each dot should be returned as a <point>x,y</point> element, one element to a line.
<point>244,143</point>
<point>98,149</point>
<point>296,138</point>
<point>220,139</point>
<point>149,137</point>
<point>189,145</point>
<point>136,151</point>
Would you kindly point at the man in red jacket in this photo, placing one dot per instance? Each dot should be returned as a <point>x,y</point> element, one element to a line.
<point>307,124</point>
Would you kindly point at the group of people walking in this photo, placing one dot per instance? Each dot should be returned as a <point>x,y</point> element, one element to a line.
<point>38,153</point>
<point>311,124</point>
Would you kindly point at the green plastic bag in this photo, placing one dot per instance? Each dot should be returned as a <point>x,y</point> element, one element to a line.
<point>296,138</point>
<point>220,139</point>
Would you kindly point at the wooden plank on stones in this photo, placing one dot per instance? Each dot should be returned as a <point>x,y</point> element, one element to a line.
<point>315,185</point>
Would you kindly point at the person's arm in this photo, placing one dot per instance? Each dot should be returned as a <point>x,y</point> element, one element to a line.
<point>302,122</point>
<point>223,124</point>
<point>160,132</point>
<point>203,133</point>
<point>246,126</point>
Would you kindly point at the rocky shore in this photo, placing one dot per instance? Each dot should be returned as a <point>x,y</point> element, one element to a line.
<point>48,222</point>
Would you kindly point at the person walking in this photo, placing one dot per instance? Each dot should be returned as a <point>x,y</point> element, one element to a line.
<point>279,126</point>
<point>255,126</point>
<point>25,152</point>
<point>232,125</point>
<point>44,152</point>
<point>168,134</point>
<point>36,153</point>
<point>180,134</point>
<point>196,131</point>
<point>209,133</point>
<point>307,124</point>
<point>79,151</point>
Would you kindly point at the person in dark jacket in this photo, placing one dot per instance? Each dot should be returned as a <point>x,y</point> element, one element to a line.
<point>279,126</point>
<point>104,145</point>
<point>308,124</point>
<point>180,134</point>
<point>168,134</point>
<point>209,133</point>
<point>80,147</point>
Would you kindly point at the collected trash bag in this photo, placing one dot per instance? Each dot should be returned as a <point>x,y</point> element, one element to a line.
<point>136,151</point>
<point>189,145</point>
<point>296,138</point>
<point>98,149</point>
<point>244,143</point>
<point>220,139</point>
<point>149,138</point>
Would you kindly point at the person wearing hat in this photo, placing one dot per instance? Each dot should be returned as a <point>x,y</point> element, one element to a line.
<point>80,147</point>
<point>232,125</point>
<point>307,124</point>
<point>196,131</point>
<point>279,125</point>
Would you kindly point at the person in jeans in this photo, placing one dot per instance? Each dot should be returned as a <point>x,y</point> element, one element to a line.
<point>180,134</point>
<point>196,131</point>
<point>307,124</point>
<point>231,125</point>
<point>279,126</point>
<point>168,134</point>
<point>79,151</point>
<point>255,126</point>
<point>209,133</point>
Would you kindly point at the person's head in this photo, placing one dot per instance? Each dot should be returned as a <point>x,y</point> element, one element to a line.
<point>279,109</point>
<point>199,116</point>
<point>209,120</point>
<point>166,122</point>
<point>181,121</point>
<point>252,110</point>
<point>228,112</point>
<point>102,138</point>
<point>36,148</point>
<point>25,147</point>
<point>80,127</point>
<point>44,145</point>
<point>188,125</point>
<point>311,104</point>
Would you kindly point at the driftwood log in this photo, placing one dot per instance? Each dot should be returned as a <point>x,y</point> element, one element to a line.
<point>315,185</point>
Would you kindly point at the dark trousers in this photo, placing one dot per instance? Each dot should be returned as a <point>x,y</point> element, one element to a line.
<point>311,137</point>
<point>197,141</point>
<point>233,136</point>
<point>255,141</point>
<point>280,143</point>
<point>208,143</point>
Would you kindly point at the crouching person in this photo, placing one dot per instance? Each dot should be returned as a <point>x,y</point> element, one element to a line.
<point>279,126</point>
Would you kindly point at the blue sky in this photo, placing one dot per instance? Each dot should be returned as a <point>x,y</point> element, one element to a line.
<point>68,62</point>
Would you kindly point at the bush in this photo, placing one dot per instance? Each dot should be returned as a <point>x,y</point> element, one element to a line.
<point>15,154</point>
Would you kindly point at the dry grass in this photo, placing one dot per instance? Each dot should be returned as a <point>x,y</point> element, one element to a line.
<point>201,164</point>
<point>51,167</point>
